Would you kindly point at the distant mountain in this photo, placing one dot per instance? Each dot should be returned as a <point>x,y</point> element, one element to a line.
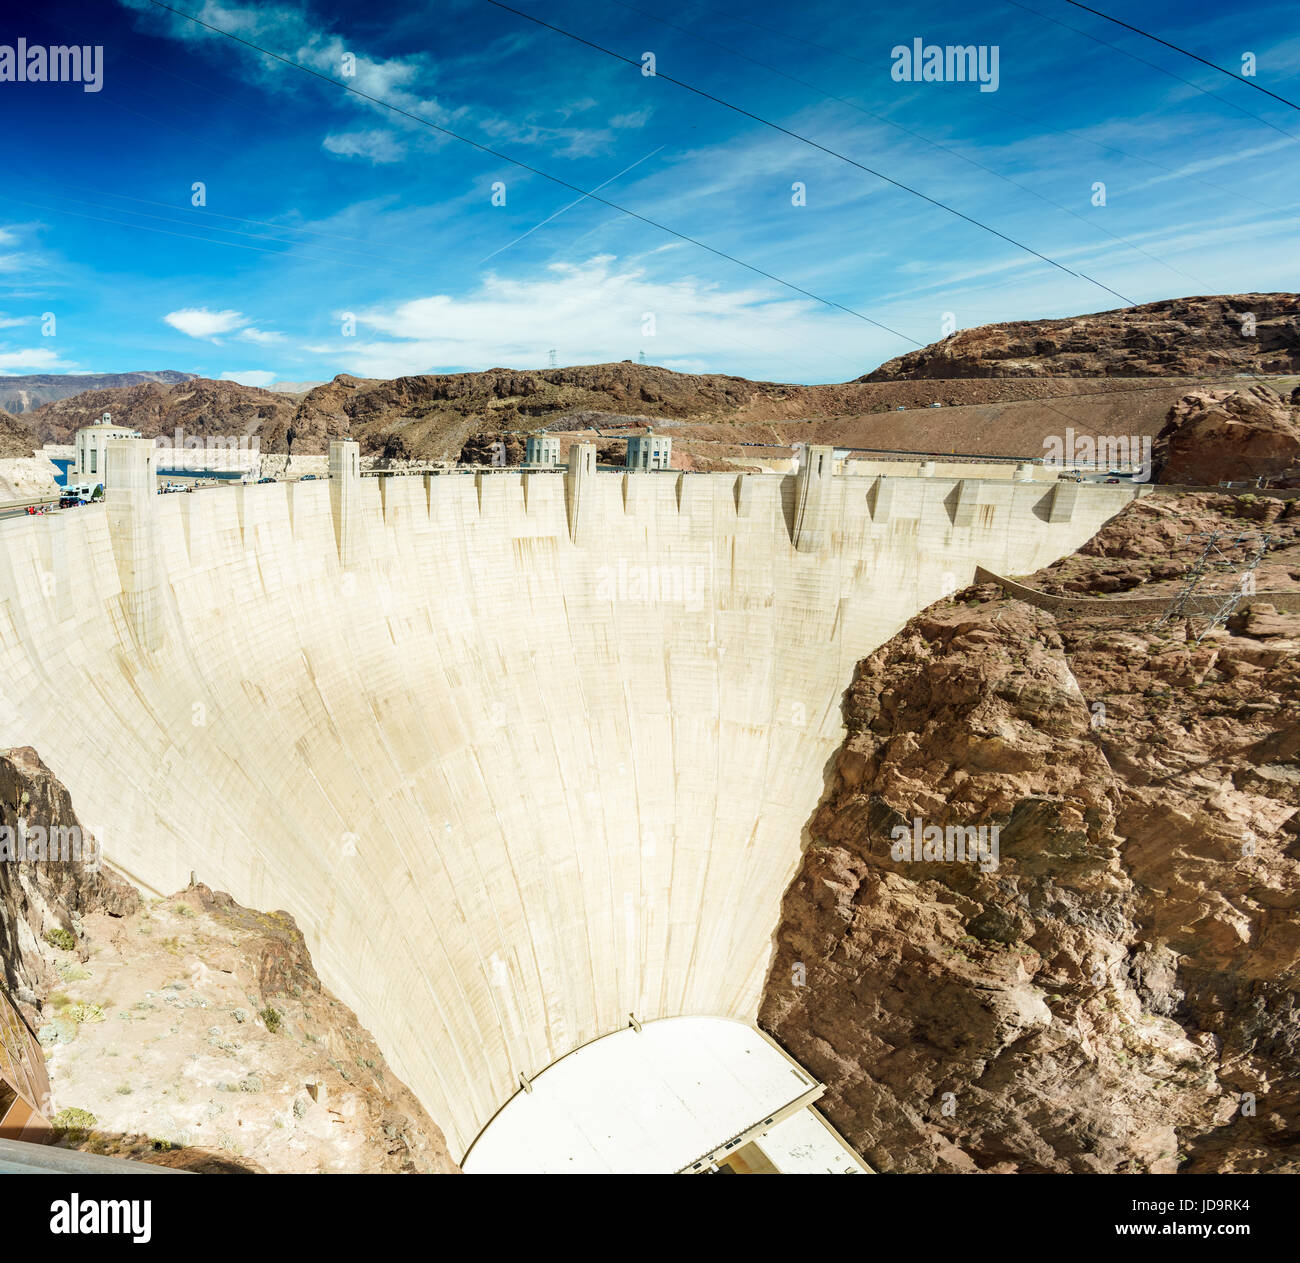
<point>1179,337</point>
<point>23,394</point>
<point>1189,342</point>
<point>197,405</point>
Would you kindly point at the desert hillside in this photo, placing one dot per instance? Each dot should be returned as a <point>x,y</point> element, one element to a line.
<point>1182,337</point>
<point>998,388</point>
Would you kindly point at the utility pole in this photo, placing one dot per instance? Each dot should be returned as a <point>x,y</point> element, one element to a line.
<point>1220,576</point>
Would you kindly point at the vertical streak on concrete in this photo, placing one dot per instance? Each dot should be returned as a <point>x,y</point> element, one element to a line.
<point>578,488</point>
<point>194,517</point>
<point>56,579</point>
<point>812,483</point>
<point>241,513</point>
<point>345,493</point>
<point>131,482</point>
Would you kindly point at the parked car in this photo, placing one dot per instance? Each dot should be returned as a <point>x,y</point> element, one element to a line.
<point>262,480</point>
<point>307,478</point>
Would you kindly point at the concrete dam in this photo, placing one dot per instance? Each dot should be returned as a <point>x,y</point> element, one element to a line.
<point>527,755</point>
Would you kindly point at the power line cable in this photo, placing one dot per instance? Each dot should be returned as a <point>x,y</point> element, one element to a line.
<point>907,131</point>
<point>1137,30</point>
<point>554,179</point>
<point>736,17</point>
<point>1196,87</point>
<point>987,102</point>
<point>757,118</point>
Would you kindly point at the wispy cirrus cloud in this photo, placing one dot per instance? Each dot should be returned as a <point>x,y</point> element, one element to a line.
<point>374,145</point>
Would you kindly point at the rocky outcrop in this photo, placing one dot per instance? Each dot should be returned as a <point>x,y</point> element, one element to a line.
<point>16,440</point>
<point>1215,336</point>
<point>239,1059</point>
<point>46,899</point>
<point>1230,435</point>
<point>1118,992</point>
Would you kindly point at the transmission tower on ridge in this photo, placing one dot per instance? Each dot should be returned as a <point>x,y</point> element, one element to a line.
<point>1220,576</point>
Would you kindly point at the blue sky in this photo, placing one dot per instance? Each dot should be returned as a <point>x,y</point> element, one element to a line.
<point>319,205</point>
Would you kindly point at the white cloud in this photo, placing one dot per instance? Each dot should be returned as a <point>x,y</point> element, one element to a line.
<point>31,360</point>
<point>262,337</point>
<point>199,322</point>
<point>596,311</point>
<point>294,32</point>
<point>377,146</point>
<point>249,377</point>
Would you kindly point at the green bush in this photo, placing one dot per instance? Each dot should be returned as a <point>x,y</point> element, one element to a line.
<point>272,1019</point>
<point>73,1124</point>
<point>61,938</point>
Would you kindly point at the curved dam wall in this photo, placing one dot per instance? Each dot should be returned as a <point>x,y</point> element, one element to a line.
<point>523,754</point>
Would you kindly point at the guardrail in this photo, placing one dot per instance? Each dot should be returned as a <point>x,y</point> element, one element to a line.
<point>20,1158</point>
<point>1132,607</point>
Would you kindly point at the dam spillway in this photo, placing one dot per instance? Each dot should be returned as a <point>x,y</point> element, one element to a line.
<point>523,753</point>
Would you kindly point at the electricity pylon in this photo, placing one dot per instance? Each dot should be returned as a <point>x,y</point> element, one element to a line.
<point>1220,576</point>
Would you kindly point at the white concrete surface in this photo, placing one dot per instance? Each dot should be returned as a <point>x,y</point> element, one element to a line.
<point>513,787</point>
<point>804,1144</point>
<point>652,1101</point>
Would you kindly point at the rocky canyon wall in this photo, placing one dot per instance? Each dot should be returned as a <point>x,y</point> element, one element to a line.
<point>1119,992</point>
